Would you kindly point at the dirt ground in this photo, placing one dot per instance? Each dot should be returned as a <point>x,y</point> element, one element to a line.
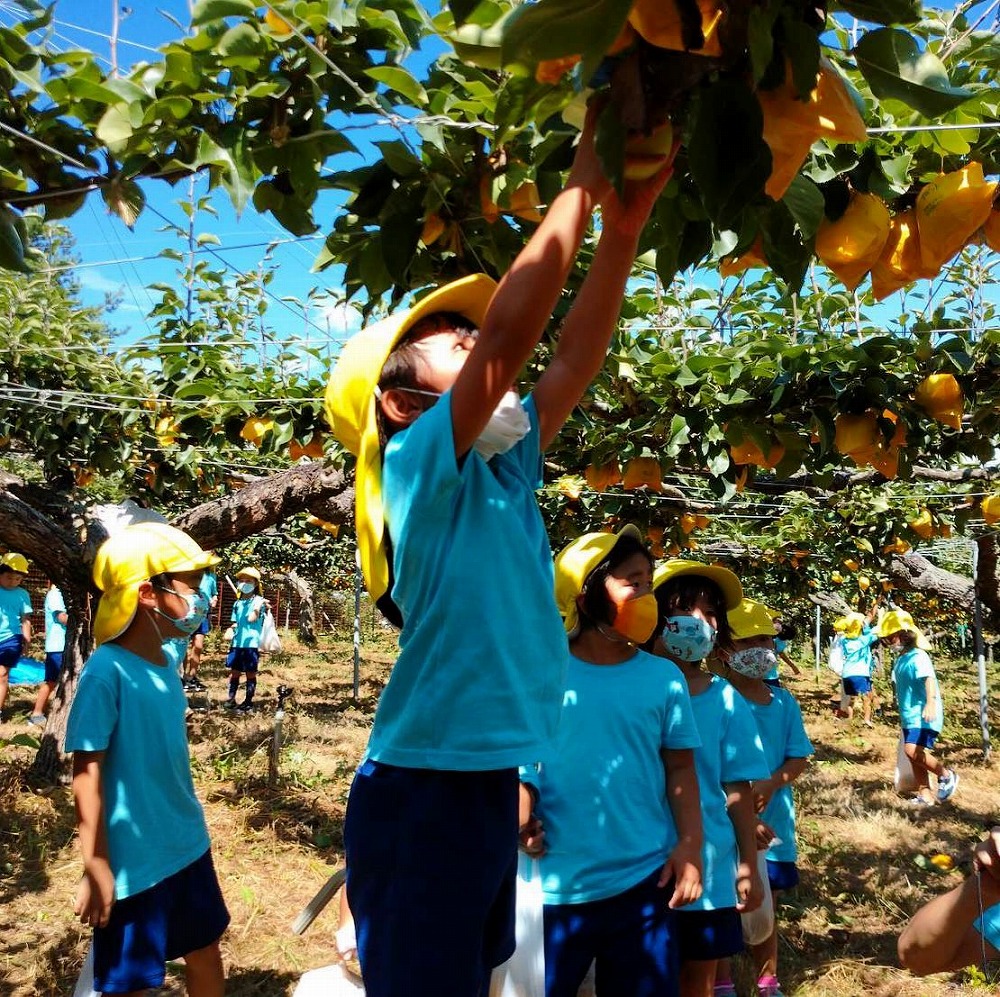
<point>863,852</point>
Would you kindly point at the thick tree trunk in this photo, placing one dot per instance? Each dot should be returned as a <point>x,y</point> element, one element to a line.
<point>307,611</point>
<point>915,573</point>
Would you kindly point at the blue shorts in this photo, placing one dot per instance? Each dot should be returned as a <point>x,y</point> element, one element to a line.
<point>10,651</point>
<point>631,936</point>
<point>782,875</point>
<point>857,685</point>
<point>431,877</point>
<point>180,915</point>
<point>705,935</point>
<point>204,628</point>
<point>53,665</point>
<point>923,737</point>
<point>243,659</point>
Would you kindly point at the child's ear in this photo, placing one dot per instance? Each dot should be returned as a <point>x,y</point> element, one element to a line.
<point>399,406</point>
<point>147,594</point>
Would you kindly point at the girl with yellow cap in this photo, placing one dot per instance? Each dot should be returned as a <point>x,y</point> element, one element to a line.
<point>149,888</point>
<point>15,618</point>
<point>693,599</point>
<point>248,624</point>
<point>786,748</point>
<point>618,800</point>
<point>921,714</point>
<point>858,662</point>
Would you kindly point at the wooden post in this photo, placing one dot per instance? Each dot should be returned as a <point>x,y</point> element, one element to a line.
<point>977,643</point>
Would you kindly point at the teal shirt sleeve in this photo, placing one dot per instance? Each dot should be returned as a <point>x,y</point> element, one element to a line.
<point>742,751</point>
<point>679,729</point>
<point>94,713</point>
<point>989,925</point>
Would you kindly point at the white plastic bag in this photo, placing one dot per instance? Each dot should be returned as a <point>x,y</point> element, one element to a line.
<point>85,983</point>
<point>835,660</point>
<point>330,981</point>
<point>905,779</point>
<point>759,923</point>
<point>523,974</point>
<point>270,642</point>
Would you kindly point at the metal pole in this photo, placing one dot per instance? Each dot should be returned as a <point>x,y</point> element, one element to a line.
<point>819,638</point>
<point>357,620</point>
<point>980,652</point>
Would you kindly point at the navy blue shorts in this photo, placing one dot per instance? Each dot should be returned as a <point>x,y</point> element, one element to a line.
<point>782,875</point>
<point>204,628</point>
<point>631,936</point>
<point>857,685</point>
<point>243,659</point>
<point>431,877</point>
<point>704,935</point>
<point>180,915</point>
<point>53,665</point>
<point>10,651</point>
<point>923,737</point>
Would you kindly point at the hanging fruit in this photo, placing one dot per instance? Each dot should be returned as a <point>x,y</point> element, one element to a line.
<point>940,396</point>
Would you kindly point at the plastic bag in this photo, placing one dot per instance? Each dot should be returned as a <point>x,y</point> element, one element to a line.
<point>835,660</point>
<point>759,923</point>
<point>523,974</point>
<point>330,981</point>
<point>270,642</point>
<point>905,779</point>
<point>85,983</point>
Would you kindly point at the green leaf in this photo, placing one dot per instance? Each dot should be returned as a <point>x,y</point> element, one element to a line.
<point>805,202</point>
<point>609,143</point>
<point>11,246</point>
<point>400,80</point>
<point>895,68</point>
<point>115,127</point>
<point>882,11</point>
<point>478,45</point>
<point>205,11</point>
<point>760,39</point>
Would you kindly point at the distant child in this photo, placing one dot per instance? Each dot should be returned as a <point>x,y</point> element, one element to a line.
<point>149,888</point>
<point>454,550</point>
<point>787,749</point>
<point>618,800</point>
<point>196,647</point>
<point>15,618</point>
<point>248,623</point>
<point>961,927</point>
<point>693,599</point>
<point>784,632</point>
<point>55,645</point>
<point>921,714</point>
<point>858,663</point>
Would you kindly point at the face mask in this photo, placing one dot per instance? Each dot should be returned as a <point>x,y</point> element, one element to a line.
<point>687,638</point>
<point>246,588</point>
<point>753,662</point>
<point>635,619</point>
<point>195,615</point>
<point>508,425</point>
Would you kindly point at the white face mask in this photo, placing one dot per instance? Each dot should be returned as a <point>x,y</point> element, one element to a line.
<point>246,588</point>
<point>508,425</point>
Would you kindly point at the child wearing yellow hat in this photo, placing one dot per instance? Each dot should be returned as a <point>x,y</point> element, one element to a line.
<point>248,624</point>
<point>857,663</point>
<point>149,888</point>
<point>618,799</point>
<point>15,618</point>
<point>454,550</point>
<point>787,749</point>
<point>921,714</point>
<point>693,600</point>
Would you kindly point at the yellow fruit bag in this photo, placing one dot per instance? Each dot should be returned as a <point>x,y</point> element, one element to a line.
<point>852,244</point>
<point>900,262</point>
<point>949,211</point>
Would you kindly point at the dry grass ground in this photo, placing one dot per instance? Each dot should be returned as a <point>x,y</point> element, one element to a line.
<point>861,847</point>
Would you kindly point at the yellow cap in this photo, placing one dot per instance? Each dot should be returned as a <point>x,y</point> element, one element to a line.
<point>132,556</point>
<point>16,562</point>
<point>574,564</point>
<point>249,573</point>
<point>899,619</point>
<point>850,625</point>
<point>751,619</point>
<point>350,407</point>
<point>732,590</point>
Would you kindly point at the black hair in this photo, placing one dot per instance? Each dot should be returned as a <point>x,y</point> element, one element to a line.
<point>595,606</point>
<point>907,638</point>
<point>6,569</point>
<point>786,630</point>
<point>681,593</point>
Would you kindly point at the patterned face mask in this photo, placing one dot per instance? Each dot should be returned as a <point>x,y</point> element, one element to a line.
<point>753,662</point>
<point>687,638</point>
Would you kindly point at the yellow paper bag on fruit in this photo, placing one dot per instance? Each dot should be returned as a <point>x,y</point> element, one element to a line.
<point>852,244</point>
<point>659,22</point>
<point>949,211</point>
<point>900,262</point>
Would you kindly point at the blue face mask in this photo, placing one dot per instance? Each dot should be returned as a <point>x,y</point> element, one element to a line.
<point>687,638</point>
<point>198,607</point>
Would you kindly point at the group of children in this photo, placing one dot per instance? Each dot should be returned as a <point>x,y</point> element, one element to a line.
<point>582,725</point>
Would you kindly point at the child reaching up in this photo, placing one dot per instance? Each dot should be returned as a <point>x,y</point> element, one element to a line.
<point>453,548</point>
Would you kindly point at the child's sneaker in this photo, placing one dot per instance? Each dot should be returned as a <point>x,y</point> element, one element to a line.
<point>37,720</point>
<point>724,989</point>
<point>947,785</point>
<point>918,802</point>
<point>229,704</point>
<point>768,986</point>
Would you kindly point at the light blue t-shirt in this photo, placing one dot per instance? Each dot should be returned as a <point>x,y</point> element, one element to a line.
<point>55,632</point>
<point>779,724</point>
<point>134,711</point>
<point>15,604</point>
<point>779,648</point>
<point>858,660</point>
<point>731,751</point>
<point>989,925</point>
<point>483,653</point>
<point>209,585</point>
<point>908,674</point>
<point>247,633</point>
<point>602,795</point>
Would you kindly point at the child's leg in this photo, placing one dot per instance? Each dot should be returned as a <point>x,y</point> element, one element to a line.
<point>919,758</point>
<point>205,975</point>
<point>724,979</point>
<point>698,977</point>
<point>869,702</point>
<point>250,687</point>
<point>4,685</point>
<point>764,955</point>
<point>234,684</point>
<point>41,700</point>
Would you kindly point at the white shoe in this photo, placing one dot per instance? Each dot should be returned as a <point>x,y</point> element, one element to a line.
<point>946,786</point>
